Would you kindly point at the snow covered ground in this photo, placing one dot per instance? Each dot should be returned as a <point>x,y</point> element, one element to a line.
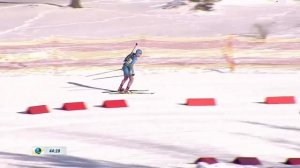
<point>123,18</point>
<point>47,50</point>
<point>155,130</point>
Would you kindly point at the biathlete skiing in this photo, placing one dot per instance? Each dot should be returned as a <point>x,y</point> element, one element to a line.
<point>128,70</point>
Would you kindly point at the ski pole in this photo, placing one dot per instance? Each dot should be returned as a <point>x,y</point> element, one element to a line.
<point>108,77</point>
<point>111,70</point>
<point>103,72</point>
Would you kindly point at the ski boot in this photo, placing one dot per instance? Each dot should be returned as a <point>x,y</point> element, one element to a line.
<point>126,91</point>
<point>120,90</point>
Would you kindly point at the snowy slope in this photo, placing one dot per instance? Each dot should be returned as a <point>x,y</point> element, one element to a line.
<point>44,47</point>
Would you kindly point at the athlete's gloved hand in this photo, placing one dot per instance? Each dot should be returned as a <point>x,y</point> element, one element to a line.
<point>132,74</point>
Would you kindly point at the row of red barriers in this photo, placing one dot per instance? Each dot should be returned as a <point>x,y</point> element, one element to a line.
<point>122,103</point>
<point>268,100</point>
<point>76,106</point>
<point>245,161</point>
